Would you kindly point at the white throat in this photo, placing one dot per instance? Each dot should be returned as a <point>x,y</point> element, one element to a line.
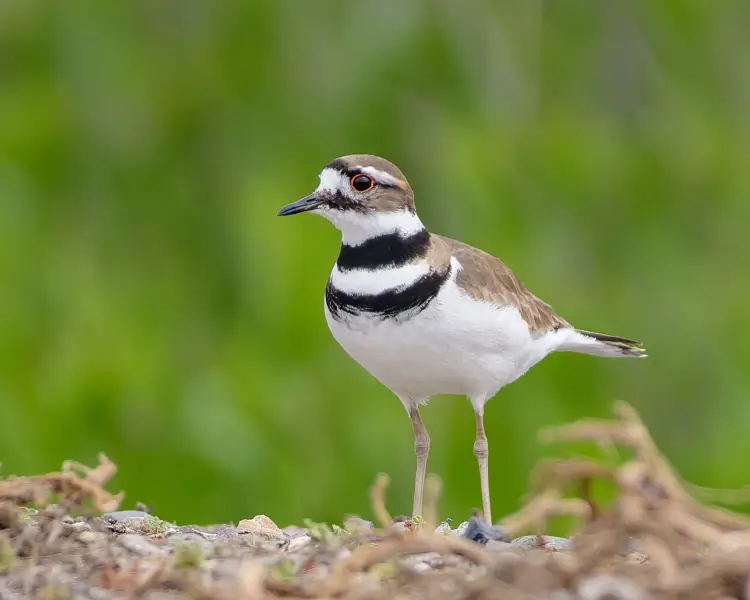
<point>356,227</point>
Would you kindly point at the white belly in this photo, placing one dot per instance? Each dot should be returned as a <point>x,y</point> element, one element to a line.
<point>457,345</point>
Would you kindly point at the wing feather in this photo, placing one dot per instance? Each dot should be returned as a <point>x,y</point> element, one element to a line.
<point>485,277</point>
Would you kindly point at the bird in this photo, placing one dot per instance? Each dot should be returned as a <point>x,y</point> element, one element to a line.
<point>425,314</point>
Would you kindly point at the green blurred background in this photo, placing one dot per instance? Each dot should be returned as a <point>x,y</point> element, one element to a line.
<point>155,308</point>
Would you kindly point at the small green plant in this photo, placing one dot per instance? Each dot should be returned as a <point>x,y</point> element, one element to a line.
<point>319,531</point>
<point>445,527</point>
<point>340,531</point>
<point>154,525</point>
<point>28,513</point>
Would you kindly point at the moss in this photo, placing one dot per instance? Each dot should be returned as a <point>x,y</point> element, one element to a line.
<point>54,592</point>
<point>188,555</point>
<point>8,558</point>
<point>284,570</point>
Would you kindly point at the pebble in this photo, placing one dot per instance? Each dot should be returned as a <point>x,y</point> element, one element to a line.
<point>188,530</point>
<point>261,526</point>
<point>602,587</point>
<point>123,516</point>
<point>191,539</point>
<point>140,545</point>
<point>92,537</point>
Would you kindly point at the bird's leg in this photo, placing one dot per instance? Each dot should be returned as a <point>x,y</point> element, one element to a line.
<point>481,451</point>
<point>421,449</point>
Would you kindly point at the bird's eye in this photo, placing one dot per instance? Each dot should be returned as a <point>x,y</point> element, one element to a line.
<point>362,183</point>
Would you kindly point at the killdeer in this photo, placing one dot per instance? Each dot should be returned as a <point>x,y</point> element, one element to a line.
<point>428,315</point>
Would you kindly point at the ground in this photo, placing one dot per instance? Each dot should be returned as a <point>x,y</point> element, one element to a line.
<point>655,540</point>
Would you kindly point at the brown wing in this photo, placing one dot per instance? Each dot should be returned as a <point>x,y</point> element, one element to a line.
<point>484,277</point>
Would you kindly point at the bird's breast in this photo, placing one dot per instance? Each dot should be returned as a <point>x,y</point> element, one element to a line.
<point>444,343</point>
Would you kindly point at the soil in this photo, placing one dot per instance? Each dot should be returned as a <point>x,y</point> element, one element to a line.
<point>63,537</point>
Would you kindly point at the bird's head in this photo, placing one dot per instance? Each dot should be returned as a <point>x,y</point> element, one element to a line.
<point>364,196</point>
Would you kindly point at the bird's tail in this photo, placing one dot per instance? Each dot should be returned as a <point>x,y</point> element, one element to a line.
<point>601,344</point>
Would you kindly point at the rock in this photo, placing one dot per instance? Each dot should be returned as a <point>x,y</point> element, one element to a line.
<point>140,545</point>
<point>423,563</point>
<point>398,527</point>
<point>77,527</point>
<point>556,543</point>
<point>444,529</point>
<point>299,542</point>
<point>528,542</point>
<point>261,526</point>
<point>226,532</point>
<point>292,531</point>
<point>187,530</point>
<point>461,529</point>
<point>227,568</point>
<point>420,567</point>
<point>358,525</point>
<point>498,546</point>
<point>525,542</point>
<point>478,531</point>
<point>196,539</point>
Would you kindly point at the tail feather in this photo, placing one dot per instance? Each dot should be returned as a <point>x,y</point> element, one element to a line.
<point>602,344</point>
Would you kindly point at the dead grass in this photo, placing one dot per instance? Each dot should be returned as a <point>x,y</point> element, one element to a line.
<point>656,540</point>
<point>76,486</point>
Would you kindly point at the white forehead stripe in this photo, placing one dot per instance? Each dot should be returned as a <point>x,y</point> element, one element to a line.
<point>332,180</point>
<point>335,181</point>
<point>378,175</point>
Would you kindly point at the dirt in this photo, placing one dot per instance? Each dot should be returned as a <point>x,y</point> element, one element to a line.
<point>62,537</point>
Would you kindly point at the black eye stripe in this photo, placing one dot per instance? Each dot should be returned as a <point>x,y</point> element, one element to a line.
<point>341,167</point>
<point>339,201</point>
<point>351,173</point>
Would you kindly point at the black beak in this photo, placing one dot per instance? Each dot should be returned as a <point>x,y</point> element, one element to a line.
<point>307,203</point>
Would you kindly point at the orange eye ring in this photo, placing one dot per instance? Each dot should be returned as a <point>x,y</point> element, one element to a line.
<point>361,182</point>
